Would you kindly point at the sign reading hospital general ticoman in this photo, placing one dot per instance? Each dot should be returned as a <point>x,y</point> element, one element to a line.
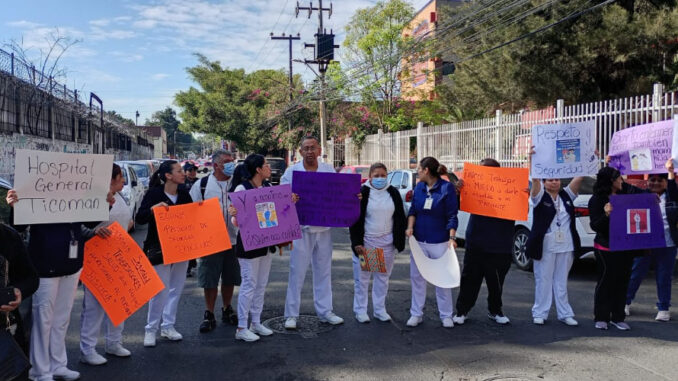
<point>55,187</point>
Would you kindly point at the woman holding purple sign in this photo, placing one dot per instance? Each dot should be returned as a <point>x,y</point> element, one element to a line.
<point>614,267</point>
<point>664,259</point>
<point>255,265</point>
<point>381,225</point>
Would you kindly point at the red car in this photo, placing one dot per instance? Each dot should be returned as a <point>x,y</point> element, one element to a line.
<point>362,170</point>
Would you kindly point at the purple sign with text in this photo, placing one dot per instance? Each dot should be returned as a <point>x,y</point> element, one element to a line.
<point>642,149</point>
<point>636,222</point>
<point>327,199</point>
<point>266,216</point>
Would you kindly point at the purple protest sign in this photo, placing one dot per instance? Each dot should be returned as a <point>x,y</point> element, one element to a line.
<point>642,149</point>
<point>327,199</point>
<point>636,222</point>
<point>266,216</point>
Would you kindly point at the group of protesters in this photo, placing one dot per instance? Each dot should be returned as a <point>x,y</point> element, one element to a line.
<point>49,267</point>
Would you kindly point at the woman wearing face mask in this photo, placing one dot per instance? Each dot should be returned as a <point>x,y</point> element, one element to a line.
<point>381,225</point>
<point>163,192</point>
<point>664,259</point>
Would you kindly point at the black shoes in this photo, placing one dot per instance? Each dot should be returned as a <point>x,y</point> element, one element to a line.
<point>208,323</point>
<point>229,316</point>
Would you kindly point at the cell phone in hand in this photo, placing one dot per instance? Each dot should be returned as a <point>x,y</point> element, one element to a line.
<point>6,295</point>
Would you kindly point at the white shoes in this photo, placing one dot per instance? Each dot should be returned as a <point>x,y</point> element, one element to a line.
<point>627,310</point>
<point>246,335</point>
<point>538,321</point>
<point>459,319</point>
<point>331,318</point>
<point>93,359</point>
<point>501,319</point>
<point>149,339</point>
<point>65,374</point>
<point>382,316</point>
<point>448,323</point>
<point>171,334</point>
<point>570,321</point>
<point>117,350</point>
<point>663,316</point>
<point>362,318</point>
<point>260,329</point>
<point>291,323</point>
<point>414,321</point>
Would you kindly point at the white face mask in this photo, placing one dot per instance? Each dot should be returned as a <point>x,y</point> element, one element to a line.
<point>378,182</point>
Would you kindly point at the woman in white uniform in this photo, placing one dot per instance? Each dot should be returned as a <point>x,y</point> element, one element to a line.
<point>93,315</point>
<point>381,225</point>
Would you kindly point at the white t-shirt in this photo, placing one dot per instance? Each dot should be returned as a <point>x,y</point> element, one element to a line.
<point>379,213</point>
<point>173,197</point>
<point>560,226</point>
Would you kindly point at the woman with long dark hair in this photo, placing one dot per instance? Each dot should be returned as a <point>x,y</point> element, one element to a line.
<point>163,192</point>
<point>614,267</point>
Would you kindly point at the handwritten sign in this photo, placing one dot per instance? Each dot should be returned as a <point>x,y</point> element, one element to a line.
<point>564,150</point>
<point>118,274</point>
<point>55,187</point>
<point>636,222</point>
<point>495,192</point>
<point>642,149</point>
<point>191,231</point>
<point>266,216</point>
<point>327,199</point>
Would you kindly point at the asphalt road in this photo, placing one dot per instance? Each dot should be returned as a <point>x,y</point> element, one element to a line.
<point>478,350</point>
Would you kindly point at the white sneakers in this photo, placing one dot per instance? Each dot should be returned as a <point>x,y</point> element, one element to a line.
<point>570,321</point>
<point>627,310</point>
<point>448,323</point>
<point>459,319</point>
<point>117,350</point>
<point>65,374</point>
<point>260,329</point>
<point>538,321</point>
<point>291,323</point>
<point>149,339</point>
<point>362,318</point>
<point>93,358</point>
<point>382,316</point>
<point>414,321</point>
<point>245,334</point>
<point>171,334</point>
<point>501,319</point>
<point>331,318</point>
<point>663,316</point>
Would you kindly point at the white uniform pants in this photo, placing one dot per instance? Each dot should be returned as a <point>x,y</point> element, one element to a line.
<point>164,304</point>
<point>254,273</point>
<point>380,284</point>
<point>52,304</point>
<point>314,249</point>
<point>550,277</point>
<point>93,315</point>
<point>443,295</point>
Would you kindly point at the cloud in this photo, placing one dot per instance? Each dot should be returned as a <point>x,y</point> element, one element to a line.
<point>159,76</point>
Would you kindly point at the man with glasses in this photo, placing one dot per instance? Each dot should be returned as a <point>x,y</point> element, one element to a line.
<point>314,248</point>
<point>222,265</point>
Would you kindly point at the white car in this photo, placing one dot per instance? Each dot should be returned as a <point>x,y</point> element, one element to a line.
<point>404,180</point>
<point>133,190</point>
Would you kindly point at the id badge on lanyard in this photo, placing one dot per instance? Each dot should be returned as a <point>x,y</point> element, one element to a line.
<point>560,236</point>
<point>73,247</point>
<point>428,203</point>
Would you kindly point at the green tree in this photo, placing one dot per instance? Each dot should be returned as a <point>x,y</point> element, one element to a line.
<point>178,142</point>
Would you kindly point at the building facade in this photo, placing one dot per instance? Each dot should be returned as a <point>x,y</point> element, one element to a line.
<point>158,136</point>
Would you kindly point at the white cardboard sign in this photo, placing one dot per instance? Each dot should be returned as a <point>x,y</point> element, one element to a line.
<point>564,150</point>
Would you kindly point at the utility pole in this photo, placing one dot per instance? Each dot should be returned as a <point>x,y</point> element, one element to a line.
<point>289,38</point>
<point>323,55</point>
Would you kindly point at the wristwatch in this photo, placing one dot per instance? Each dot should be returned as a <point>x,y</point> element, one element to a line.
<point>453,238</point>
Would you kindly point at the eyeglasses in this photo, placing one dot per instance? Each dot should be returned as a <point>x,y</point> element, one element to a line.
<point>309,149</point>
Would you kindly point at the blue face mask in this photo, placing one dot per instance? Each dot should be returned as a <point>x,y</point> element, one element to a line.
<point>229,168</point>
<point>378,182</point>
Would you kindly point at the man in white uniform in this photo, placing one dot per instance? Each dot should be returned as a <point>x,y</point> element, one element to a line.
<point>314,248</point>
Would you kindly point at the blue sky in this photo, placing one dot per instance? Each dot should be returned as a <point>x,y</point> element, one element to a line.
<point>133,53</point>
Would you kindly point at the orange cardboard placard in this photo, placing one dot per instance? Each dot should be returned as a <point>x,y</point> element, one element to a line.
<point>118,274</point>
<point>191,231</point>
<point>495,192</point>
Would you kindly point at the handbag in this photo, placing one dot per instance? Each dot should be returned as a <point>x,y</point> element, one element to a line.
<point>13,361</point>
<point>154,255</point>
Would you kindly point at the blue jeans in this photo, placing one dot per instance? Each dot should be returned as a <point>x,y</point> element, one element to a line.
<point>664,260</point>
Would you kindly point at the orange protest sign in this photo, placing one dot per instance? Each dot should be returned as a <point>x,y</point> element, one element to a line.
<point>191,231</point>
<point>495,192</point>
<point>118,274</point>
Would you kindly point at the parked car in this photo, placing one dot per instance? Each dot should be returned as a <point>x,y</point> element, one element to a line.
<point>133,190</point>
<point>278,166</point>
<point>143,170</point>
<point>522,228</point>
<point>362,170</point>
<point>404,180</point>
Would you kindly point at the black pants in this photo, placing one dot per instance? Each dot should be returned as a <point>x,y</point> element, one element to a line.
<point>614,272</point>
<point>478,265</point>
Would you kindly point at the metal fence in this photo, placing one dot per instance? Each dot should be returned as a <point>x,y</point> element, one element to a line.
<point>506,137</point>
